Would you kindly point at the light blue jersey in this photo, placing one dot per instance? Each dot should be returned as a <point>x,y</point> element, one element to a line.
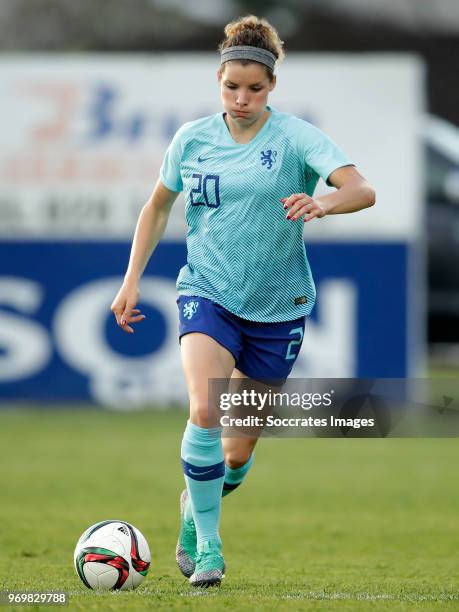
<point>242,252</point>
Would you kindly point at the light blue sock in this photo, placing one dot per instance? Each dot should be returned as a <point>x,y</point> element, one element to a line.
<point>204,469</point>
<point>234,477</point>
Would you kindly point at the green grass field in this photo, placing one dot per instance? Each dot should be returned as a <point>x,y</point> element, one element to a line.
<point>320,524</point>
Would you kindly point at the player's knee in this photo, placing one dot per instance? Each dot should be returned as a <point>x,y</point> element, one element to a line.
<point>199,411</point>
<point>236,459</point>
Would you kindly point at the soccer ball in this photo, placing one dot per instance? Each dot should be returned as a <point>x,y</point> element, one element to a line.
<point>112,555</point>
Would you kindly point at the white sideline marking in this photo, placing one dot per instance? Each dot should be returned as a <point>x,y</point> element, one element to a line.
<point>371,597</point>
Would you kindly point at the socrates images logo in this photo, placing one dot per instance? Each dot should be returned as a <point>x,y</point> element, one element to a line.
<point>190,309</point>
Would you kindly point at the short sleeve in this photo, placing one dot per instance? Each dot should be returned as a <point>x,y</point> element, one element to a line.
<point>320,152</point>
<point>170,170</point>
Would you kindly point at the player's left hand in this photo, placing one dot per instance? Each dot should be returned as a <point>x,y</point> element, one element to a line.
<point>299,204</point>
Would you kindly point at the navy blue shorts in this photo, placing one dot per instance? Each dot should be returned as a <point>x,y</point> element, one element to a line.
<point>262,351</point>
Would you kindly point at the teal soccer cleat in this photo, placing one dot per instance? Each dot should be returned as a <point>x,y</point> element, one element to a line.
<point>185,553</point>
<point>210,566</point>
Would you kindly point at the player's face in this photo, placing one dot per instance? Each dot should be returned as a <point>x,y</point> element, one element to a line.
<point>244,90</point>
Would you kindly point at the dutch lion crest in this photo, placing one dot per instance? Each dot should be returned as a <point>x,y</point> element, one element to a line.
<point>268,158</point>
<point>190,309</point>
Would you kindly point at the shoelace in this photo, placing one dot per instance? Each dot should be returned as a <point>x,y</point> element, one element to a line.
<point>205,562</point>
<point>206,559</point>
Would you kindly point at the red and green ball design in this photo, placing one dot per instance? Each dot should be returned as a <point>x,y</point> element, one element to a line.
<point>138,564</point>
<point>103,555</point>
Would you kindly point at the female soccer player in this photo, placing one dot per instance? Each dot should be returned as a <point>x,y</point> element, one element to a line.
<point>248,173</point>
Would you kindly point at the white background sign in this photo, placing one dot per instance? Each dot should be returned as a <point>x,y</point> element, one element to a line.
<point>83,137</point>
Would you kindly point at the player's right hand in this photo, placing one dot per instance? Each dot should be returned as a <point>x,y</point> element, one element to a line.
<point>123,307</point>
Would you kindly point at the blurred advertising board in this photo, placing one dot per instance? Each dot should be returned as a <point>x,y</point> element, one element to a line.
<point>82,143</point>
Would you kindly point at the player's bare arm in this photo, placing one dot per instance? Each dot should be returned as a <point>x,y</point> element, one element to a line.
<point>150,228</point>
<point>353,193</point>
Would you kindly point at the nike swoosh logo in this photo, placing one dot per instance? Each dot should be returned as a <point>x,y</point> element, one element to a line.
<point>200,473</point>
<point>202,159</point>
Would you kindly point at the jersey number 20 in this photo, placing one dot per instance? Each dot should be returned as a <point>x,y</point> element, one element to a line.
<point>207,186</point>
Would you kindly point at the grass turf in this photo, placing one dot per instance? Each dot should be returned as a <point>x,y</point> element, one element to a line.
<point>320,524</point>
